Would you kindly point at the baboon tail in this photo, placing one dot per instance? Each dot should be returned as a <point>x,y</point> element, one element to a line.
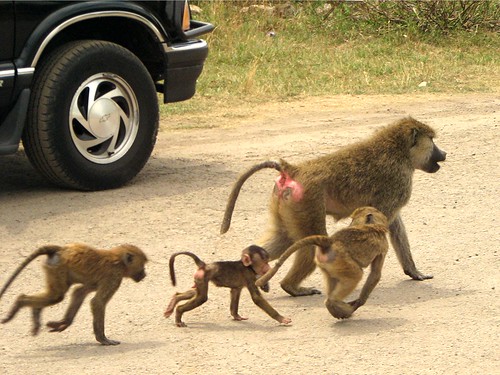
<point>197,260</point>
<point>318,240</point>
<point>226,222</point>
<point>44,250</point>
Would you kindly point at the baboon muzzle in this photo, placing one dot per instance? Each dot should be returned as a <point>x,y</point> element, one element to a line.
<point>436,157</point>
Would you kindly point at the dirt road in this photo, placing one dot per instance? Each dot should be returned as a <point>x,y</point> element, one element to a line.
<point>447,325</point>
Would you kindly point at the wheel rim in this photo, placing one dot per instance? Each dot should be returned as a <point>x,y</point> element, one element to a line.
<point>104,118</point>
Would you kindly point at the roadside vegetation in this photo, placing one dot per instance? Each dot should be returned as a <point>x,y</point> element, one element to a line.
<point>282,50</point>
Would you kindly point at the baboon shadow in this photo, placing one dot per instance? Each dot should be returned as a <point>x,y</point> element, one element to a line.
<point>91,349</point>
<point>404,293</point>
<point>358,327</point>
<point>409,292</point>
<point>234,326</point>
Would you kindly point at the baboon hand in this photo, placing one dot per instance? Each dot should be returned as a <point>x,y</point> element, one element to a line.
<point>58,326</point>
<point>339,309</point>
<point>284,320</point>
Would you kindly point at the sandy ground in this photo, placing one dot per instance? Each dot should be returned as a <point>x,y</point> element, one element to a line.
<point>447,325</point>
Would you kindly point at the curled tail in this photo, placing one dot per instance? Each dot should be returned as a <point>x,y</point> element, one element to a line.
<point>44,250</point>
<point>226,222</point>
<point>318,240</point>
<point>198,261</point>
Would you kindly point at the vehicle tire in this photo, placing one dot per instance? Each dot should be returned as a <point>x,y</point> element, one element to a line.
<point>93,116</point>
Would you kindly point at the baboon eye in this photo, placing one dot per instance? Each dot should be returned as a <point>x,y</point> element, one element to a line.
<point>369,219</point>
<point>130,257</point>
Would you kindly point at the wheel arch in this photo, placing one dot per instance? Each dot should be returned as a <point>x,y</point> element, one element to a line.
<point>144,34</point>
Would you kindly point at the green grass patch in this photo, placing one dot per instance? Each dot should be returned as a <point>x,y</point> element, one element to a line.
<point>312,55</point>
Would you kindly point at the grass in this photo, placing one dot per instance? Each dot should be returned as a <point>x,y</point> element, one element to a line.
<point>311,56</point>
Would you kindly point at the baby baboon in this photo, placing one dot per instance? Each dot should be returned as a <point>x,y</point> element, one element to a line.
<point>101,271</point>
<point>342,258</point>
<point>375,172</point>
<point>233,274</point>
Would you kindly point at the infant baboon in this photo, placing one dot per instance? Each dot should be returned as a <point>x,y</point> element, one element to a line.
<point>230,274</point>
<point>96,270</point>
<point>375,172</point>
<point>342,258</point>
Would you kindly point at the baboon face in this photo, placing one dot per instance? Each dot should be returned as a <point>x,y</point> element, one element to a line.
<point>139,276</point>
<point>260,265</point>
<point>135,261</point>
<point>257,258</point>
<point>426,155</point>
<point>137,270</point>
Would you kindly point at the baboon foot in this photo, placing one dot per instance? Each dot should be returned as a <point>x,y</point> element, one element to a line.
<point>417,275</point>
<point>173,302</point>
<point>106,341</point>
<point>239,318</point>
<point>299,291</point>
<point>181,324</point>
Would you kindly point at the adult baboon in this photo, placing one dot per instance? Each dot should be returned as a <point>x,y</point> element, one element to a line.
<point>375,172</point>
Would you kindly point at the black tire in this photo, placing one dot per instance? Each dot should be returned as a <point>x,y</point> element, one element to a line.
<point>91,142</point>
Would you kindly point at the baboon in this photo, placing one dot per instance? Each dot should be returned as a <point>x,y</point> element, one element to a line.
<point>374,172</point>
<point>230,274</point>
<point>342,258</point>
<point>96,270</point>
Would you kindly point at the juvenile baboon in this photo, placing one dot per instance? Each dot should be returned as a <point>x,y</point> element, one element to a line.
<point>96,270</point>
<point>342,258</point>
<point>230,274</point>
<point>375,172</point>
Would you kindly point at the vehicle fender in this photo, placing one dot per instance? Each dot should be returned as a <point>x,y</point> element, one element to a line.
<point>74,13</point>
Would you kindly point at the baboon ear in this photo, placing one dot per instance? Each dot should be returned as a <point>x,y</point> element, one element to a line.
<point>369,219</point>
<point>128,258</point>
<point>246,259</point>
<point>414,137</point>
